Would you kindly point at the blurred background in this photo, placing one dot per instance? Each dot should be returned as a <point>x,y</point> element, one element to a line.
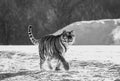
<point>48,16</point>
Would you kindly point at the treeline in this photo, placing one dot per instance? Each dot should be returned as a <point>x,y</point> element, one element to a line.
<point>47,16</point>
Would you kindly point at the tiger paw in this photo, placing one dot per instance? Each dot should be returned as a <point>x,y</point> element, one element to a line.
<point>57,69</point>
<point>66,66</point>
<point>50,67</point>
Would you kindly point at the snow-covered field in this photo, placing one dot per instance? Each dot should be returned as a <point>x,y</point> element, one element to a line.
<point>87,63</point>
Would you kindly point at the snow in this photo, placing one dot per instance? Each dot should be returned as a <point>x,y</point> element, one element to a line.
<point>77,52</point>
<point>95,32</point>
<point>21,48</point>
<point>100,53</point>
<point>94,63</point>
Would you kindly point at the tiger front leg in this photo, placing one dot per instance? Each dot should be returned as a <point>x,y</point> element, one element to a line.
<point>66,65</point>
<point>49,64</point>
<point>64,62</point>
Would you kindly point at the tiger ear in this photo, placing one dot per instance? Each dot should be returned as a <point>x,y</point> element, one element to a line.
<point>64,31</point>
<point>72,31</point>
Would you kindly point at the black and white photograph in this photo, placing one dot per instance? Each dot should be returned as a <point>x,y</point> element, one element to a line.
<point>59,40</point>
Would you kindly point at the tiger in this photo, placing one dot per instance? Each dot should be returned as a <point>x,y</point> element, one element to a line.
<point>53,47</point>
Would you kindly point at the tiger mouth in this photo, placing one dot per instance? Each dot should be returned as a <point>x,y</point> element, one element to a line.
<point>68,41</point>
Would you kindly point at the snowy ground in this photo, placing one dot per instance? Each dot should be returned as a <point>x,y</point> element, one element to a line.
<point>87,63</point>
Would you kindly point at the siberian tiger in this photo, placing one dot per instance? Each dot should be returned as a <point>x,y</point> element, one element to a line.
<point>53,47</point>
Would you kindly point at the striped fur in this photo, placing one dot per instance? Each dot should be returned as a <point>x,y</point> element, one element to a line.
<point>33,40</point>
<point>53,47</point>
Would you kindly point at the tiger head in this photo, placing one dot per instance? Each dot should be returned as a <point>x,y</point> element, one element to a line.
<point>68,37</point>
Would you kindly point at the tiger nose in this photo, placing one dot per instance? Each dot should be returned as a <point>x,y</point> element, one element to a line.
<point>70,37</point>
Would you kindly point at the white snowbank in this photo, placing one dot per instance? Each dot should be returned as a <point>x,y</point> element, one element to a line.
<point>95,32</point>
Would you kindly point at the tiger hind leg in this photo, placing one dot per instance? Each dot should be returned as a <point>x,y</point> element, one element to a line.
<point>41,63</point>
<point>58,66</point>
<point>49,64</point>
